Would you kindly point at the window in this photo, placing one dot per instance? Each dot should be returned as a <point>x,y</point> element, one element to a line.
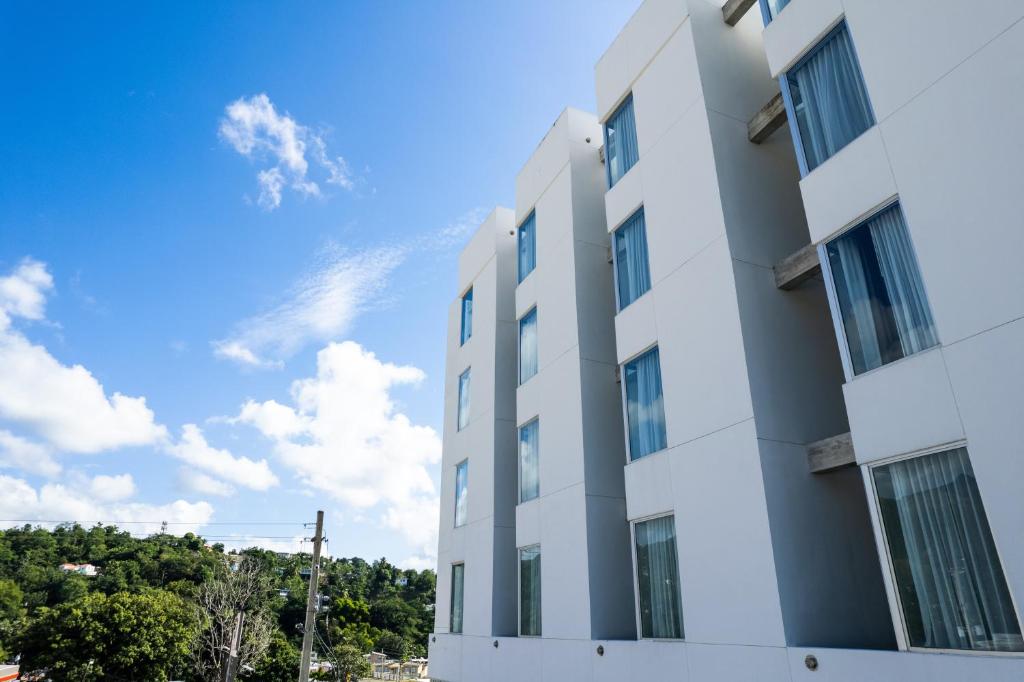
<point>458,590</point>
<point>950,583</point>
<point>467,317</point>
<point>463,400</point>
<point>461,492</point>
<point>527,346</point>
<point>878,290</point>
<point>529,461</point>
<point>632,275</point>
<point>645,411</point>
<point>771,8</point>
<point>827,99</point>
<point>657,574</point>
<point>529,591</point>
<point>620,146</point>
<point>527,246</point>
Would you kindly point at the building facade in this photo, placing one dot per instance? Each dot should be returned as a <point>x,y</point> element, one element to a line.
<point>764,416</point>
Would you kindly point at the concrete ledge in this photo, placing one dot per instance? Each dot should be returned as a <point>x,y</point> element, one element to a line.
<point>797,268</point>
<point>734,10</point>
<point>831,454</point>
<point>765,122</point>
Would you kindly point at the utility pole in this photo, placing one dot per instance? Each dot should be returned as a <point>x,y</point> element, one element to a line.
<point>311,600</point>
<point>231,668</point>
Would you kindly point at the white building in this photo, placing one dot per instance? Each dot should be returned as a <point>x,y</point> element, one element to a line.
<point>821,471</point>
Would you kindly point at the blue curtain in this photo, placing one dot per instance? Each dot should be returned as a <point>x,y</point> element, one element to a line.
<point>645,409</point>
<point>529,591</point>
<point>467,317</point>
<point>620,146</point>
<point>527,246</point>
<point>458,585</point>
<point>632,272</point>
<point>461,492</point>
<point>463,400</point>
<point>830,100</point>
<point>952,588</point>
<point>529,461</point>
<point>528,346</point>
<point>657,571</point>
<point>878,287</point>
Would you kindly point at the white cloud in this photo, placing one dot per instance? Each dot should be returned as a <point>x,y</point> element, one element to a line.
<point>344,436</point>
<point>112,488</point>
<point>242,471</point>
<point>257,130</point>
<point>58,503</point>
<point>455,233</point>
<point>64,405</point>
<point>18,453</point>
<point>320,307</point>
<point>199,482</point>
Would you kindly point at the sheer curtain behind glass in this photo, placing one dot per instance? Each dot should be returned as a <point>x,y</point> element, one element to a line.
<point>657,572</point>
<point>527,246</point>
<point>529,591</point>
<point>878,286</point>
<point>645,410</point>
<point>831,102</point>
<point>529,461</point>
<point>463,400</point>
<point>631,271</point>
<point>775,6</point>
<point>620,145</point>
<point>458,583</point>
<point>528,346</point>
<point>467,317</point>
<point>461,492</point>
<point>950,581</point>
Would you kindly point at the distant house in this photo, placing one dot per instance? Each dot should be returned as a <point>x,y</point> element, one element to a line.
<point>8,673</point>
<point>88,570</point>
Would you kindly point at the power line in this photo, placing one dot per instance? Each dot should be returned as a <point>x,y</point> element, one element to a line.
<point>157,523</point>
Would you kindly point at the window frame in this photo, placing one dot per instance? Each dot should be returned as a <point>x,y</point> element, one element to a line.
<point>636,579</point>
<point>451,599</point>
<point>519,591</point>
<point>615,259</point>
<point>787,95</point>
<point>455,515</point>
<point>896,610</point>
<point>520,277</point>
<point>627,99</point>
<point>625,402</point>
<point>832,296</point>
<point>463,337</point>
<point>519,460</point>
<point>766,11</point>
<point>519,345</point>
<point>459,426</point>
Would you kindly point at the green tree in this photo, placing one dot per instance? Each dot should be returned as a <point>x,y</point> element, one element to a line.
<point>351,663</point>
<point>393,644</point>
<point>280,662</point>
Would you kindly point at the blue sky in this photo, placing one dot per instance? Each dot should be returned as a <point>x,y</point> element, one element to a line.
<point>228,237</point>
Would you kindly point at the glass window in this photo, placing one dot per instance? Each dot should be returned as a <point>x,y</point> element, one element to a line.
<point>527,346</point>
<point>645,410</point>
<point>829,101</point>
<point>463,400</point>
<point>529,591</point>
<point>620,147</point>
<point>631,270</point>
<point>657,572</point>
<point>458,585</point>
<point>878,288</point>
<point>529,461</point>
<point>527,246</point>
<point>467,317</point>
<point>461,492</point>
<point>771,8</point>
<point>951,586</point>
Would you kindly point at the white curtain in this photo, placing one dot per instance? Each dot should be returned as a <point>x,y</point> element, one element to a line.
<point>529,461</point>
<point>831,101</point>
<point>902,281</point>
<point>458,583</point>
<point>464,400</point>
<point>529,591</point>
<point>461,492</point>
<point>527,246</point>
<point>467,316</point>
<point>528,346</point>
<point>952,587</point>
<point>634,277</point>
<point>658,578</point>
<point>645,410</point>
<point>856,305</point>
<point>621,147</point>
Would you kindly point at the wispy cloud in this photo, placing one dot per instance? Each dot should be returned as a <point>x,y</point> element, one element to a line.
<point>255,128</point>
<point>229,470</point>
